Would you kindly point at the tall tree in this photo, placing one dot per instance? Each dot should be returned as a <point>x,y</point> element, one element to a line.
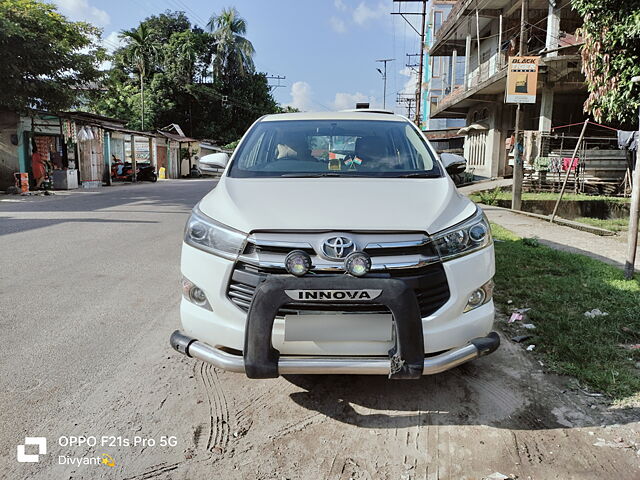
<point>610,58</point>
<point>177,85</point>
<point>46,58</point>
<point>234,53</point>
<point>143,50</point>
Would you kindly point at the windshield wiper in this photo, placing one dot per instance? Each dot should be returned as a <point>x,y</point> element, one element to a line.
<point>310,175</point>
<point>419,175</point>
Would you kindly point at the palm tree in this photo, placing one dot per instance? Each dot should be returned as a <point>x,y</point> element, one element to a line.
<point>234,53</point>
<point>142,49</point>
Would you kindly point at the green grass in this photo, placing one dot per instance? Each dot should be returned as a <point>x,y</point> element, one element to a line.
<point>506,195</point>
<point>559,287</point>
<point>613,224</point>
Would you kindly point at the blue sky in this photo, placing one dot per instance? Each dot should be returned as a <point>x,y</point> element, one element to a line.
<point>326,48</point>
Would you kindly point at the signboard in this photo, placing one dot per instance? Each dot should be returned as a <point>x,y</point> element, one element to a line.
<point>522,80</point>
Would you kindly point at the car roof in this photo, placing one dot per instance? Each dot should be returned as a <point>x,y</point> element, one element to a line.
<point>350,115</point>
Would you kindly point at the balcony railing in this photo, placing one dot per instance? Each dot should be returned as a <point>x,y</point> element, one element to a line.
<point>487,69</point>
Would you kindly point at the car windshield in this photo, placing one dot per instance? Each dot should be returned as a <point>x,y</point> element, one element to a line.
<point>334,148</point>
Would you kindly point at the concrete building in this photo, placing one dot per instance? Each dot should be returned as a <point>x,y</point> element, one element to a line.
<point>441,74</point>
<point>486,33</point>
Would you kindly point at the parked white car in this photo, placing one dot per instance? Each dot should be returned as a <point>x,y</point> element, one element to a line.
<point>336,243</point>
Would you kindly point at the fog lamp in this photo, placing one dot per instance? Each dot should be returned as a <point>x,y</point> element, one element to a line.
<point>357,264</point>
<point>476,298</point>
<point>480,296</point>
<point>197,296</point>
<point>297,263</point>
<point>194,294</point>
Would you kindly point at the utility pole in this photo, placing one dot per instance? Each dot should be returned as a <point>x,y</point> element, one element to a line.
<point>408,99</point>
<point>384,79</point>
<point>275,77</point>
<point>518,170</point>
<point>634,210</point>
<point>412,66</point>
<point>419,82</point>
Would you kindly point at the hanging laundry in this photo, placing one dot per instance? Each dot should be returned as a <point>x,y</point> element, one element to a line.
<point>555,165</point>
<point>628,140</point>
<point>541,164</point>
<point>568,162</point>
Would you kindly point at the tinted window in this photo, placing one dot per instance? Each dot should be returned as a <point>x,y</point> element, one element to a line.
<point>333,148</point>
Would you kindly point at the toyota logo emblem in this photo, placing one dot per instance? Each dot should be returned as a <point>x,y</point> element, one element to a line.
<point>338,247</point>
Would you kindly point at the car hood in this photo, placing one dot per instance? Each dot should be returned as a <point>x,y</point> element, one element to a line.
<point>341,204</point>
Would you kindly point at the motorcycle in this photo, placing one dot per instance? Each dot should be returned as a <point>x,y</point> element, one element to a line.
<point>124,172</point>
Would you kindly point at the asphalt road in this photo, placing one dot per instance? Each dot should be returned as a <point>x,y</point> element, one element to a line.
<point>89,293</point>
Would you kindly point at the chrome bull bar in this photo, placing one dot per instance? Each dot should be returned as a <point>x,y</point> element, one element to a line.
<point>294,365</point>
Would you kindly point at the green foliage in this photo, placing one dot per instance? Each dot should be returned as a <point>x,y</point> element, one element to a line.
<point>232,145</point>
<point>142,48</point>
<point>610,58</point>
<point>234,53</point>
<point>573,197</point>
<point>489,197</point>
<point>559,287</point>
<point>288,109</point>
<point>178,86</point>
<point>613,224</point>
<point>46,57</point>
<point>159,29</point>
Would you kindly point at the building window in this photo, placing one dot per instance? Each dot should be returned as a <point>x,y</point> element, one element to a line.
<point>438,16</point>
<point>436,67</point>
<point>433,99</point>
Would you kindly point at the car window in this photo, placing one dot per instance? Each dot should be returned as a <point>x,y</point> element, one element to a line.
<point>335,148</point>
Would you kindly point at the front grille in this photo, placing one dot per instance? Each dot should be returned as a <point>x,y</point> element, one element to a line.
<point>429,283</point>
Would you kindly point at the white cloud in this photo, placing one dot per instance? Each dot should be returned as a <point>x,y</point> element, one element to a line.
<point>340,5</point>
<point>112,42</point>
<point>81,10</point>
<point>338,24</point>
<point>411,82</point>
<point>300,96</point>
<point>363,12</point>
<point>344,101</point>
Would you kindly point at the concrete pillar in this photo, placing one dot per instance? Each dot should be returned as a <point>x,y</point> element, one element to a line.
<point>107,157</point>
<point>553,29</point>
<point>495,140</point>
<point>546,108</point>
<point>467,57</point>
<point>454,59</point>
<point>152,156</point>
<point>134,164</point>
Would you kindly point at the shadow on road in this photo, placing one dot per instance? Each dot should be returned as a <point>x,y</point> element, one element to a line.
<point>123,200</point>
<point>183,194</point>
<point>12,225</point>
<point>478,393</point>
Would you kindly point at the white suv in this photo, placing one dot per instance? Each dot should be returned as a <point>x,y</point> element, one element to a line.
<point>336,243</point>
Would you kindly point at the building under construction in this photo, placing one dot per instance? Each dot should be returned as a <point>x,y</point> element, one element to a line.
<point>482,35</point>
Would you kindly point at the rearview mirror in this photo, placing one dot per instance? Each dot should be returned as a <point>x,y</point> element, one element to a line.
<point>214,161</point>
<point>453,164</point>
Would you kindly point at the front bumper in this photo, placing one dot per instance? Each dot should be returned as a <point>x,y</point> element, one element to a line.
<point>406,359</point>
<point>299,365</point>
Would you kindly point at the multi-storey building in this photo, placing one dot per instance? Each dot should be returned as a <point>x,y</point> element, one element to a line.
<point>485,33</point>
<point>441,74</point>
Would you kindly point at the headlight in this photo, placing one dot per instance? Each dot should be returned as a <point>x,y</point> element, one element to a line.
<point>463,238</point>
<point>206,234</point>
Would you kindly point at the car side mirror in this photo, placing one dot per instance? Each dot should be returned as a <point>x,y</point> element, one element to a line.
<point>453,164</point>
<point>214,161</point>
